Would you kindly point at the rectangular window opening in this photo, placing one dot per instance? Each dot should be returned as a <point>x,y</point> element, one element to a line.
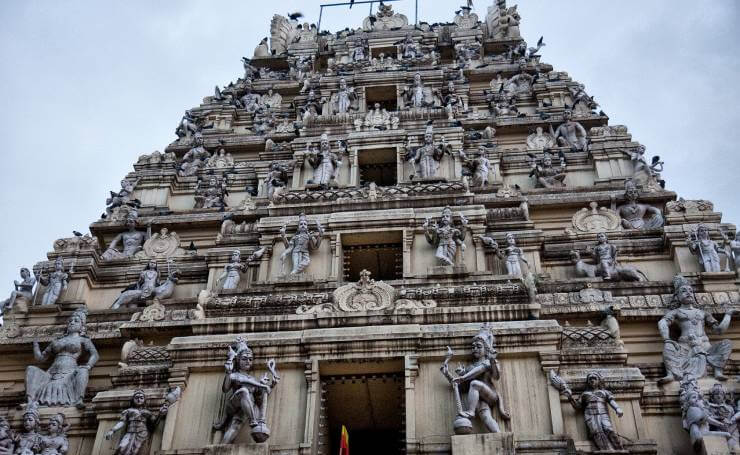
<point>384,95</point>
<point>378,166</point>
<point>379,253</point>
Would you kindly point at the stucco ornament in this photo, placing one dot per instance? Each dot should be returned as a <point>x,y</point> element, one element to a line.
<point>138,423</point>
<point>64,383</point>
<point>55,282</point>
<point>466,20</point>
<point>595,402</point>
<point>595,219</point>
<point>692,353</point>
<point>385,19</point>
<point>365,295</point>
<point>246,396</point>
<point>473,386</point>
<point>540,140</point>
<point>162,245</point>
<point>706,250</point>
<point>127,244</point>
<point>148,286</point>
<point>636,215</point>
<point>696,416</point>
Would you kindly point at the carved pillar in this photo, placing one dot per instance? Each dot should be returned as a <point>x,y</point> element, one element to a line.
<point>401,154</point>
<point>313,398</point>
<point>178,378</point>
<point>411,371</point>
<point>297,182</point>
<point>335,264</point>
<point>264,267</point>
<point>480,252</point>
<point>408,242</point>
<point>354,168</point>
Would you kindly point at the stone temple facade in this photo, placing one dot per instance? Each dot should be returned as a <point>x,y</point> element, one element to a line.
<point>423,233</point>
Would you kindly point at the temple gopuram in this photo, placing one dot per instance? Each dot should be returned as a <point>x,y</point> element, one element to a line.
<point>402,238</point>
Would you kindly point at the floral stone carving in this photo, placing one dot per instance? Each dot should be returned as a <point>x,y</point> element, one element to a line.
<point>162,245</point>
<point>595,219</point>
<point>365,295</point>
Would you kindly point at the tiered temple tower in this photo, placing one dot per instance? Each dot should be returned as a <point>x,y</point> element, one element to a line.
<point>334,232</point>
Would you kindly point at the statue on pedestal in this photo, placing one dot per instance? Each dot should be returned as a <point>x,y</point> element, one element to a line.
<point>211,196</point>
<point>246,396</point>
<point>695,414</point>
<point>272,100</point>
<point>418,95</point>
<point>410,48</point>
<point>64,383</point>
<point>721,409</point>
<point>572,134</point>
<point>276,179</point>
<point>131,240</point>
<point>705,249</point>
<point>262,49</point>
<point>446,237</point>
<point>478,166</point>
<point>545,174</point>
<point>231,276</point>
<point>635,215</point>
<point>299,246</point>
<point>325,163</point>
<point>249,101</point>
<point>343,101</point>
<point>426,158</point>
<point>187,127</point>
<point>148,286</point>
<point>692,353</point>
<point>23,288</point>
<point>138,424</point>
<point>473,388</point>
<point>453,103</point>
<point>607,266</point>
<point>195,159</point>
<point>56,282</point>
<point>512,254</point>
<point>595,402</point>
<point>122,197</point>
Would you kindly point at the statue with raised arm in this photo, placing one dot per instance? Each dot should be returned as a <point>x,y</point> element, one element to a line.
<point>299,246</point>
<point>720,409</point>
<point>571,134</point>
<point>427,157</point>
<point>187,127</point>
<point>478,166</point>
<point>607,267</point>
<point>692,353</point>
<point>473,388</point>
<point>23,288</point>
<point>325,163</point>
<point>249,100</point>
<point>246,396</point>
<point>343,101</point>
<point>545,174</point>
<point>512,254</point>
<point>446,237</point>
<point>454,104</point>
<point>635,215</point>
<point>276,179</point>
<point>212,195</point>
<point>55,441</point>
<point>231,275</point>
<point>123,197</point>
<point>705,249</point>
<point>418,95</point>
<point>148,286</point>
<point>138,423</point>
<point>696,416</point>
<point>55,282</point>
<point>595,402</point>
<point>64,383</point>
<point>195,159</point>
<point>126,244</point>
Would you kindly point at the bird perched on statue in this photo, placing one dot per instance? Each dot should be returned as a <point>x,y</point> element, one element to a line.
<point>295,16</point>
<point>351,3</point>
<point>77,233</point>
<point>257,255</point>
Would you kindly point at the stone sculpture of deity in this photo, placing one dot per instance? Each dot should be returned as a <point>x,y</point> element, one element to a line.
<point>325,163</point>
<point>276,180</point>
<point>446,237</point>
<point>64,383</point>
<point>147,287</point>
<point>212,195</point>
<point>343,101</point>
<point>138,423</point>
<point>246,396</point>
<point>692,353</point>
<point>23,289</point>
<point>571,134</point>
<point>720,409</point>
<point>195,159</point>
<point>635,215</point>
<point>410,48</point>
<point>187,127</point>
<point>697,417</point>
<point>231,275</point>
<point>126,244</point>
<point>427,157</point>
<point>418,95</point>
<point>55,282</point>
<point>473,386</point>
<point>249,100</point>
<point>55,441</point>
<point>512,254</point>
<point>299,246</point>
<point>7,445</point>
<point>705,249</point>
<point>122,197</point>
<point>28,440</point>
<point>540,140</point>
<point>545,174</point>
<point>595,402</point>
<point>607,267</point>
<point>271,100</point>
<point>478,165</point>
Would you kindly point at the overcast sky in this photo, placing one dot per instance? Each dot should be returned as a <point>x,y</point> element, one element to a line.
<point>88,86</point>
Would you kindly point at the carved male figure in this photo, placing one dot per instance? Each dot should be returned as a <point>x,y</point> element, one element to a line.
<point>138,423</point>
<point>131,240</point>
<point>299,246</point>
<point>23,288</point>
<point>572,134</point>
<point>56,282</point>
<point>635,215</point>
<point>445,236</point>
<point>705,249</point>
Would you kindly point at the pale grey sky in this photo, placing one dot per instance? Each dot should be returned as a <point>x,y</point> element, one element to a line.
<point>88,86</point>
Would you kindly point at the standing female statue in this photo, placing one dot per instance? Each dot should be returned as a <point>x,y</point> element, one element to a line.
<point>446,237</point>
<point>138,424</point>
<point>512,254</point>
<point>477,381</point>
<point>55,282</point>
<point>64,383</point>
<point>231,276</point>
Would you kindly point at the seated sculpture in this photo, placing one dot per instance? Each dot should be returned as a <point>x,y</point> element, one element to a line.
<point>123,197</point>
<point>132,241</point>
<point>545,174</point>
<point>595,402</point>
<point>418,95</point>
<point>187,127</point>
<point>692,353</point>
<point>540,140</point>
<point>6,437</point>
<point>246,396</point>
<point>635,215</point>
<point>473,388</point>
<point>210,196</point>
<point>64,383</point>
<point>571,134</point>
<point>23,289</point>
<point>607,266</point>
<point>195,159</point>
<point>276,180</point>
<point>147,287</point>
<point>271,100</point>
<point>138,424</point>
<point>55,282</point>
<point>299,246</point>
<point>446,237</point>
<point>378,118</point>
